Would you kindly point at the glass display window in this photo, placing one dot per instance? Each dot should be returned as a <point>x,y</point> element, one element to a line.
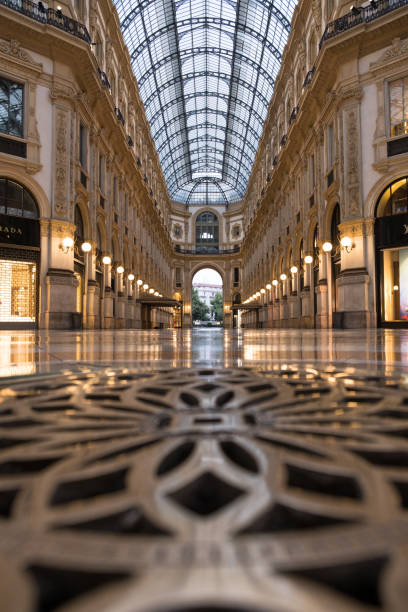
<point>395,285</point>
<point>17,291</point>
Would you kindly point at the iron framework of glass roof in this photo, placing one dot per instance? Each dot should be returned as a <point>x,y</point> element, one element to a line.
<point>206,71</point>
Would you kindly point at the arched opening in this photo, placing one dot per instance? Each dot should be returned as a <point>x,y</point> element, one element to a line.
<point>207,233</point>
<point>315,255</point>
<point>19,256</point>
<point>335,260</point>
<point>391,234</point>
<point>79,267</point>
<point>207,298</point>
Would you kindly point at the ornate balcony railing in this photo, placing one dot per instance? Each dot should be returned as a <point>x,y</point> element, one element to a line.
<point>309,77</point>
<point>48,16</point>
<point>358,15</point>
<point>119,115</point>
<point>104,78</point>
<point>206,251</point>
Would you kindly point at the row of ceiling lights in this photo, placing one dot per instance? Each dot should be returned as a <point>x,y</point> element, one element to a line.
<point>86,247</point>
<point>327,247</point>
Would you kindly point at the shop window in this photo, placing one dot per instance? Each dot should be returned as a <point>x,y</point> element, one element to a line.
<point>391,236</point>
<point>398,104</point>
<point>17,291</point>
<point>11,107</point>
<point>16,200</point>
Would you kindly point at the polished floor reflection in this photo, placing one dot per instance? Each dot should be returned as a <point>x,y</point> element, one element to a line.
<point>26,352</point>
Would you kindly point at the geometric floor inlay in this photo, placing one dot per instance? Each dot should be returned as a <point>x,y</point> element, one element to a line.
<point>199,490</point>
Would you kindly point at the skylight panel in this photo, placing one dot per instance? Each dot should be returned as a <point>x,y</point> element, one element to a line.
<point>206,72</point>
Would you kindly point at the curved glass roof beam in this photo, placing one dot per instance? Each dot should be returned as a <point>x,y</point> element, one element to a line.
<point>206,71</point>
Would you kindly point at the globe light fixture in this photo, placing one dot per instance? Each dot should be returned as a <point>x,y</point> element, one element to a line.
<point>258,294</point>
<point>269,286</point>
<point>327,247</point>
<point>145,286</point>
<point>308,259</point>
<point>131,277</point>
<point>275,282</point>
<point>120,269</point>
<point>67,244</point>
<point>86,247</point>
<point>395,288</point>
<point>294,269</point>
<point>283,277</point>
<point>156,293</point>
<point>106,260</point>
<point>347,243</point>
<point>139,282</point>
<point>262,290</point>
<point>151,290</point>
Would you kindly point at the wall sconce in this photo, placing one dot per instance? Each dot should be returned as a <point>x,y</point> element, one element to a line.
<point>395,288</point>
<point>294,269</point>
<point>67,245</point>
<point>145,286</point>
<point>327,247</point>
<point>106,260</point>
<point>269,286</point>
<point>86,247</point>
<point>120,269</point>
<point>131,277</point>
<point>275,282</point>
<point>59,12</point>
<point>347,244</point>
<point>156,293</point>
<point>308,259</point>
<point>151,290</point>
<point>262,290</point>
<point>139,282</point>
<point>258,294</point>
<point>283,277</point>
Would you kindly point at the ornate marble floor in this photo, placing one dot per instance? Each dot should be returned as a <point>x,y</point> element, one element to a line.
<point>204,471</point>
<point>43,352</point>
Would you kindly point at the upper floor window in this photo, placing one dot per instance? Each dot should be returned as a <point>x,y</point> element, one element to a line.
<point>83,146</point>
<point>399,107</point>
<point>207,232</point>
<point>394,199</point>
<point>312,173</point>
<point>11,107</point>
<point>330,146</point>
<point>102,173</point>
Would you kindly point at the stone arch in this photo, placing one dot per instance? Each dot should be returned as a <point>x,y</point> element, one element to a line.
<point>27,181</point>
<point>115,249</point>
<point>211,265</point>
<point>310,233</point>
<point>328,214</point>
<point>102,230</point>
<point>86,220</point>
<point>378,188</point>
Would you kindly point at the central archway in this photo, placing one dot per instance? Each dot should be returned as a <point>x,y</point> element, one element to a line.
<point>207,286</point>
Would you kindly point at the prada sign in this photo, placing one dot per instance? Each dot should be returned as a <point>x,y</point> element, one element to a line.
<point>19,231</point>
<point>391,231</point>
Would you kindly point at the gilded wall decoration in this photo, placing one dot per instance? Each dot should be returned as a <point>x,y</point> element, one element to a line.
<point>61,161</point>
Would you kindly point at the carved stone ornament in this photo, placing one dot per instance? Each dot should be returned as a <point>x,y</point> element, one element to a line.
<point>13,48</point>
<point>236,231</point>
<point>177,230</point>
<point>353,165</point>
<point>398,49</point>
<point>61,161</point>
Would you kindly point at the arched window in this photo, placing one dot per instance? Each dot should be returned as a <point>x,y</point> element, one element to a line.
<point>394,199</point>
<point>16,200</point>
<point>79,224</point>
<point>207,233</point>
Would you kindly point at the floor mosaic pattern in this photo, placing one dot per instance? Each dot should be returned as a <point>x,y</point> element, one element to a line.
<point>204,489</point>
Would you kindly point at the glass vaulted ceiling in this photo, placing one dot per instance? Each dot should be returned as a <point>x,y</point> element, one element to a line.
<point>206,71</point>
